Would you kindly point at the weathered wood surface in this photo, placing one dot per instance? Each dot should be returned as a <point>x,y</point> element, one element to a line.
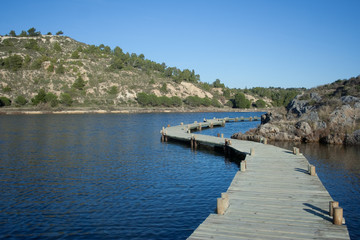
<point>275,198</point>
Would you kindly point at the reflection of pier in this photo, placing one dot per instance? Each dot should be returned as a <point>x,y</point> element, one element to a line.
<point>275,194</point>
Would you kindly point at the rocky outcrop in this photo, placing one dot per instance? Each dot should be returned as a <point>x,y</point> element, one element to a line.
<point>353,139</point>
<point>308,126</point>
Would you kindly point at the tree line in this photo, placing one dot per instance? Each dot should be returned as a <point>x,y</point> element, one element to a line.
<point>31,32</point>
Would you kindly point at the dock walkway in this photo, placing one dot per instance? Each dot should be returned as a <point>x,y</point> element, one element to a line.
<point>272,197</point>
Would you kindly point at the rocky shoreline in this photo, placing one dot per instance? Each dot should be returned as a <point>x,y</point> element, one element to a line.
<point>126,110</point>
<point>311,120</point>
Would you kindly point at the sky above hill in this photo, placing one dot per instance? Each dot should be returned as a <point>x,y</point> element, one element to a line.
<point>244,43</point>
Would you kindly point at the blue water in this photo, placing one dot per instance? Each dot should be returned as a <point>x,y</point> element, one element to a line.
<point>107,176</point>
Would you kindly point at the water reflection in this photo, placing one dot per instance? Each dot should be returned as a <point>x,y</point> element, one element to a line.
<point>104,176</point>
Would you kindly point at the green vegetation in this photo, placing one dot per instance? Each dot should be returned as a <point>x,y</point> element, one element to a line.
<point>240,101</point>
<point>4,101</point>
<point>280,97</point>
<point>13,63</point>
<point>260,103</point>
<point>31,61</point>
<point>152,100</point>
<point>79,83</point>
<point>21,101</point>
<point>66,99</point>
<point>195,101</point>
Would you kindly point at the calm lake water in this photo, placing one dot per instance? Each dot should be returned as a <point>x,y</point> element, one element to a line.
<point>110,177</point>
<point>106,177</point>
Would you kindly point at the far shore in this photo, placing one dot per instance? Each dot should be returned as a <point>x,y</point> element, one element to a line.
<point>128,110</point>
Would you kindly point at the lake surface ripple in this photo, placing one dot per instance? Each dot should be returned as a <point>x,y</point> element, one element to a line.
<point>106,177</point>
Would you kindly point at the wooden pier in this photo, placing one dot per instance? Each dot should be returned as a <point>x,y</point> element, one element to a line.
<point>275,195</point>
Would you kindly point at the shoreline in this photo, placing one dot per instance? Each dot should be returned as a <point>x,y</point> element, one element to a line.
<point>12,111</point>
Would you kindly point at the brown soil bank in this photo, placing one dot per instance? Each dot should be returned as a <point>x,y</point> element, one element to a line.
<point>313,117</point>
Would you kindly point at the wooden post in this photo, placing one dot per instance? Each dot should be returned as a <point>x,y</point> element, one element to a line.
<point>218,135</point>
<point>221,206</point>
<point>211,125</point>
<point>166,137</point>
<point>222,135</point>
<point>252,152</point>
<point>193,142</point>
<point>168,125</point>
<point>226,147</point>
<point>332,205</point>
<point>338,216</point>
<point>312,170</point>
<point>243,166</point>
<point>222,203</point>
<point>162,136</point>
<point>296,151</point>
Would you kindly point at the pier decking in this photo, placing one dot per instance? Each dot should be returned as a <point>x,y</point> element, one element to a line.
<point>273,196</point>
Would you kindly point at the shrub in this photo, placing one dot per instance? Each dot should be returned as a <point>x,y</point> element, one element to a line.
<point>20,100</point>
<point>57,47</point>
<point>66,99</point>
<point>215,103</point>
<point>240,101</point>
<point>39,98</point>
<point>176,101</point>
<point>79,83</point>
<point>75,55</point>
<point>32,45</point>
<point>6,89</point>
<point>4,101</point>
<point>60,69</point>
<point>14,62</point>
<point>37,64</point>
<point>113,90</point>
<point>163,88</point>
<point>193,101</point>
<point>52,99</point>
<point>50,68</point>
<point>260,103</point>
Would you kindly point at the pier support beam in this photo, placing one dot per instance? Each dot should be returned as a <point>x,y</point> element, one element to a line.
<point>222,203</point>
<point>296,151</point>
<point>338,216</point>
<point>332,205</point>
<point>243,166</point>
<point>193,142</point>
<point>312,171</point>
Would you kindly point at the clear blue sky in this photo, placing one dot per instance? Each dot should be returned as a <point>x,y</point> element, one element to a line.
<point>285,43</point>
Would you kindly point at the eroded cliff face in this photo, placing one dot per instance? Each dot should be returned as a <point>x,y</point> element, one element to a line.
<point>313,118</point>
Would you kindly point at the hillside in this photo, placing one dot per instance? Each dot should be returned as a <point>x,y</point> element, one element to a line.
<point>43,72</point>
<point>327,114</point>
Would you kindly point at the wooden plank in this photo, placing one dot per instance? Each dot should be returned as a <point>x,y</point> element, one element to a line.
<point>275,198</point>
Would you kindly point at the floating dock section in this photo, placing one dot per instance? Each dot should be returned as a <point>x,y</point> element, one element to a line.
<point>275,195</point>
